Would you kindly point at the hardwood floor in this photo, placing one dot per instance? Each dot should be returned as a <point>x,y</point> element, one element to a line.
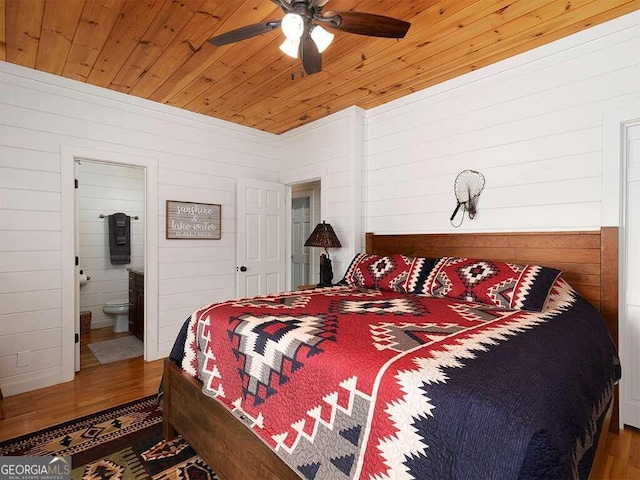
<point>623,460</point>
<point>95,388</point>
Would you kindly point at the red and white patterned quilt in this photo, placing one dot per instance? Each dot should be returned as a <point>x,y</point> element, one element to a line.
<point>343,383</point>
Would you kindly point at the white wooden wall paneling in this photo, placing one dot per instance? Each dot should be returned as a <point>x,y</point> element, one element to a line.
<point>532,126</point>
<point>198,159</point>
<point>29,199</point>
<point>30,220</point>
<point>327,149</point>
<point>20,323</point>
<point>33,373</point>
<point>35,300</point>
<point>28,159</point>
<point>52,123</point>
<point>16,282</point>
<point>72,98</point>
<point>517,77</point>
<point>29,261</point>
<point>36,241</point>
<point>195,269</point>
<point>206,282</point>
<point>558,150</point>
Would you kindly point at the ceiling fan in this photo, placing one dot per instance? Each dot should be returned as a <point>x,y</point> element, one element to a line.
<point>305,37</point>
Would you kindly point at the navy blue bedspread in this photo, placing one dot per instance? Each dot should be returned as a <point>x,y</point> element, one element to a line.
<point>543,392</point>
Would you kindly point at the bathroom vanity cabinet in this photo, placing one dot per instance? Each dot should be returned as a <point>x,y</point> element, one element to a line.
<point>136,303</point>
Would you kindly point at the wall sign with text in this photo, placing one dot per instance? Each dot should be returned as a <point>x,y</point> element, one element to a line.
<point>193,221</point>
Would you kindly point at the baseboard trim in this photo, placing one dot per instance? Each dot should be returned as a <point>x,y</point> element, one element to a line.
<point>27,385</point>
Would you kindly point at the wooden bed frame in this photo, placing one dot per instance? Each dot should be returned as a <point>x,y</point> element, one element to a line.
<point>589,261</point>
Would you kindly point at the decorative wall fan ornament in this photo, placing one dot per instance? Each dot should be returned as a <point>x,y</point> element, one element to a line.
<point>306,38</point>
<point>467,187</point>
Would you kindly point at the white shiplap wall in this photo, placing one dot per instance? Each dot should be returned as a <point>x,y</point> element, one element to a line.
<point>105,189</point>
<point>330,150</point>
<point>533,125</point>
<point>198,159</point>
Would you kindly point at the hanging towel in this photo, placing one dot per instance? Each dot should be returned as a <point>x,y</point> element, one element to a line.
<point>120,238</point>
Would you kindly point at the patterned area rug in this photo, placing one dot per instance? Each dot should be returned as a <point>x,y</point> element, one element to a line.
<point>121,443</point>
<point>117,349</point>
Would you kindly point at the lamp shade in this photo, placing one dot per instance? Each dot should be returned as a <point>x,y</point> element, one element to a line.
<point>323,236</point>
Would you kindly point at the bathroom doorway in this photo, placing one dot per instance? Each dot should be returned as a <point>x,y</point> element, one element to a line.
<point>305,214</point>
<point>110,260</point>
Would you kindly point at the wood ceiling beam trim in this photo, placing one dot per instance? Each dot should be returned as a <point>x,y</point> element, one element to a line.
<point>23,31</point>
<point>165,28</point>
<point>57,34</point>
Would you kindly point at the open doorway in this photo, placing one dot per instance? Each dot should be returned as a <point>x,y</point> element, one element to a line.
<point>305,214</point>
<point>111,263</point>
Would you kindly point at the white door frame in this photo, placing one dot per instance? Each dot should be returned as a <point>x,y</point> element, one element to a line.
<point>614,166</point>
<point>627,341</point>
<point>315,195</point>
<point>68,155</point>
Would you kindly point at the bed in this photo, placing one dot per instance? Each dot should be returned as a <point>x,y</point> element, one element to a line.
<point>477,433</point>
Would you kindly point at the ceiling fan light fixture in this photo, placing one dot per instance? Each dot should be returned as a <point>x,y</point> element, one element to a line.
<point>292,26</point>
<point>321,38</point>
<point>290,46</point>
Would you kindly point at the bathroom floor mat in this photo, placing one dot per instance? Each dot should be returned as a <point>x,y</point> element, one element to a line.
<point>117,349</point>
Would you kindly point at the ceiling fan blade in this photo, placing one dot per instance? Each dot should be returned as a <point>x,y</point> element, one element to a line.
<point>243,33</point>
<point>309,55</point>
<point>365,24</point>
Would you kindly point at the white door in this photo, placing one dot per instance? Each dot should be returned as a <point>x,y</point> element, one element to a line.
<point>261,210</point>
<point>300,231</point>
<point>631,367</point>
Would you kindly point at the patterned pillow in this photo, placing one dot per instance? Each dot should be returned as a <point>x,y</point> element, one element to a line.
<point>388,273</point>
<point>523,287</point>
<point>418,275</point>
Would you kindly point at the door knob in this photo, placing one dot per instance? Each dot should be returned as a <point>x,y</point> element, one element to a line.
<point>243,268</point>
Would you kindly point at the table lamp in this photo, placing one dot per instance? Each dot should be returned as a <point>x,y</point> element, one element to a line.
<point>324,236</point>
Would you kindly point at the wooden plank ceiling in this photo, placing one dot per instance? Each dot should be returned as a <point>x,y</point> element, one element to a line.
<point>158,49</point>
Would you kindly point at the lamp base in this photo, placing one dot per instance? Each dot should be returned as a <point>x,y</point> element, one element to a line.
<point>326,272</point>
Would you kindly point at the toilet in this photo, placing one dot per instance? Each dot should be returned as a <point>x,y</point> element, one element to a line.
<point>120,310</point>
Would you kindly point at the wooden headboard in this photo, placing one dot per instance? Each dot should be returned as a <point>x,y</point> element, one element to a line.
<point>588,260</point>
